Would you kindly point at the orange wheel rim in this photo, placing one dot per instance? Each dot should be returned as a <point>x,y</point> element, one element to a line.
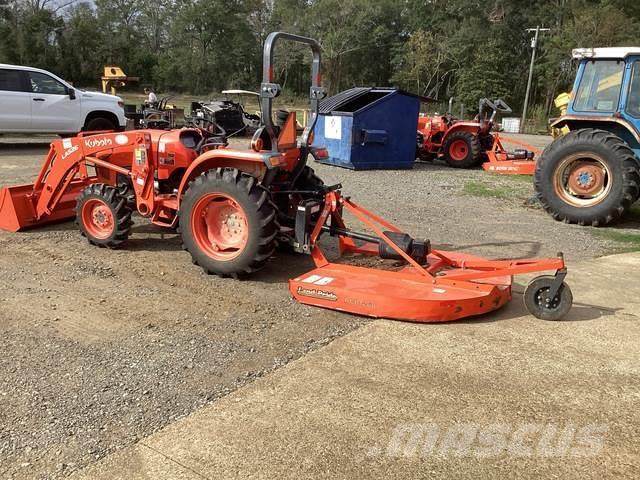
<point>219,226</point>
<point>98,219</point>
<point>458,150</point>
<point>582,180</point>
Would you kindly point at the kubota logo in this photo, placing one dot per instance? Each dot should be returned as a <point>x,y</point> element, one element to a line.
<point>98,142</point>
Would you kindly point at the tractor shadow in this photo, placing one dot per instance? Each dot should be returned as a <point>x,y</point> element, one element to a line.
<point>435,165</point>
<point>631,221</point>
<point>439,165</point>
<point>282,267</point>
<point>151,238</point>
<point>144,236</point>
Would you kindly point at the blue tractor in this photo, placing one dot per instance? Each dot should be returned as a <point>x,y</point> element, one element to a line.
<point>590,175</point>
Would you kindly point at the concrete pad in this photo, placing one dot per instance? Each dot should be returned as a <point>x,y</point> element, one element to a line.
<point>501,396</point>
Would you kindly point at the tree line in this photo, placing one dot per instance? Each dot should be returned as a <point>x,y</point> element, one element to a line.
<point>439,48</point>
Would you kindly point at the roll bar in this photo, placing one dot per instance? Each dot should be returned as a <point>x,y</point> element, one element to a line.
<point>270,90</point>
<point>496,106</point>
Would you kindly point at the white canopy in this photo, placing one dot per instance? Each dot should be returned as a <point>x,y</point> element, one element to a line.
<point>240,92</point>
<point>610,52</point>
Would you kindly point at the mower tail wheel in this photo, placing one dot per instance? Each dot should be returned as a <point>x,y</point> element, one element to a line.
<point>228,223</point>
<point>103,215</point>
<point>540,305</point>
<point>462,150</point>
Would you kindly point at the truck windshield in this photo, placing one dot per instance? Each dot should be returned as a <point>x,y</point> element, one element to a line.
<point>599,89</point>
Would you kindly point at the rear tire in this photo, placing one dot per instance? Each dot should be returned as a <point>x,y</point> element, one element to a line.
<point>103,216</point>
<point>99,123</point>
<point>588,177</point>
<point>228,223</point>
<point>462,150</point>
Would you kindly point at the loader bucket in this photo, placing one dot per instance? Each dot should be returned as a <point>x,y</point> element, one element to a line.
<point>18,207</point>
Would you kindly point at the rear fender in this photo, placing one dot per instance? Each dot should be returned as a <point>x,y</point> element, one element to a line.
<point>471,127</point>
<point>618,126</point>
<point>253,163</point>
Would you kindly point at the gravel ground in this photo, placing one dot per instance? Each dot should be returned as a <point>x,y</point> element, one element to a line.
<point>100,348</point>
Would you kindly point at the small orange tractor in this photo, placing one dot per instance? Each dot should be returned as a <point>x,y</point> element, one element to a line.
<point>233,207</point>
<point>468,144</point>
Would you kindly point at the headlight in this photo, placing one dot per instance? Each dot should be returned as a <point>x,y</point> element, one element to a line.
<point>121,105</point>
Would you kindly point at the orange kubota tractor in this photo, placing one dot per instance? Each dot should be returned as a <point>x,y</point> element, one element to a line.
<point>465,144</point>
<point>233,207</point>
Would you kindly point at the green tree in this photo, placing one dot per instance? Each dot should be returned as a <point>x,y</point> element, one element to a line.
<point>479,78</point>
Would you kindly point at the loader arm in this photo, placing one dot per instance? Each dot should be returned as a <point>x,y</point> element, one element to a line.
<point>58,172</point>
<point>64,173</point>
<point>66,165</point>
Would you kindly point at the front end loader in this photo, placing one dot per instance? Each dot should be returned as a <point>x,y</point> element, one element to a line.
<point>233,207</point>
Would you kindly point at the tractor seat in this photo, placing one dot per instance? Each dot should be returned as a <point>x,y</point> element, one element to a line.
<point>214,142</point>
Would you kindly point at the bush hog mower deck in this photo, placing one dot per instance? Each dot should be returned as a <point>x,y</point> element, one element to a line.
<point>469,144</point>
<point>233,207</point>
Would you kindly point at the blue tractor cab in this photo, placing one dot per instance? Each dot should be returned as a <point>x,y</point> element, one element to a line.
<point>591,174</point>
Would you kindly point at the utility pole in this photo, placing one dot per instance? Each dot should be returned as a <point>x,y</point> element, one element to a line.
<point>534,47</point>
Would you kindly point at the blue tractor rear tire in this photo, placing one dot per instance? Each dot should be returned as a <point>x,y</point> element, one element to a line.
<point>588,177</point>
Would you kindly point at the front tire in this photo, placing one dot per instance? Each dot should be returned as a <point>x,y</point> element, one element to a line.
<point>228,223</point>
<point>588,177</point>
<point>103,216</point>
<point>462,150</point>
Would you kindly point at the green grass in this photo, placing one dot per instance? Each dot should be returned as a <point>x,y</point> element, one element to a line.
<point>478,189</point>
<point>519,178</point>
<point>629,242</point>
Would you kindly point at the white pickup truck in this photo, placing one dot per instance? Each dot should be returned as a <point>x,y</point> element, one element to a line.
<point>36,101</point>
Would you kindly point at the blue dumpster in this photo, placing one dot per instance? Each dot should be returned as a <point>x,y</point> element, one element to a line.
<point>369,128</point>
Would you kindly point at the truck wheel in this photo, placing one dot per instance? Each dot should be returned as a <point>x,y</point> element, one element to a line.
<point>103,216</point>
<point>99,123</point>
<point>462,150</point>
<point>588,177</point>
<point>228,223</point>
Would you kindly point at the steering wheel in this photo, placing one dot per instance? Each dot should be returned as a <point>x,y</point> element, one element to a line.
<point>212,130</point>
<point>162,105</point>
